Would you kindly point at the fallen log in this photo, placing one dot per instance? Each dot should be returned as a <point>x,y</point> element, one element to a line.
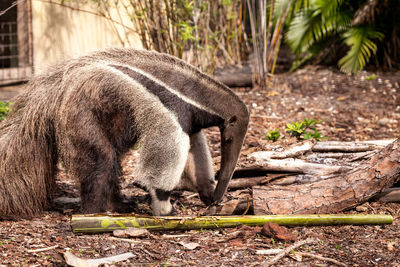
<point>99,223</point>
<point>235,76</point>
<point>388,195</point>
<point>337,192</point>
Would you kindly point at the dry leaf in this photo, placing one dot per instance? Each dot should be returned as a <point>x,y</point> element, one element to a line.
<point>190,245</point>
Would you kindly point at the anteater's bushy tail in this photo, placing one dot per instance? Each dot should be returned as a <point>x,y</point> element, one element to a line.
<point>28,154</point>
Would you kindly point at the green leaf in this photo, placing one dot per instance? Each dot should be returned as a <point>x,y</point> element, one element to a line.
<point>359,39</point>
<point>186,31</point>
<point>273,135</point>
<point>4,109</point>
<point>300,34</point>
<point>371,77</point>
<point>296,129</point>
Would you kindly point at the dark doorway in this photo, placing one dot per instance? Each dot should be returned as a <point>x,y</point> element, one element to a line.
<point>8,35</point>
<point>15,41</point>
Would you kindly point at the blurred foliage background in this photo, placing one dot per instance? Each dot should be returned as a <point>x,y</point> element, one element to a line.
<point>350,34</point>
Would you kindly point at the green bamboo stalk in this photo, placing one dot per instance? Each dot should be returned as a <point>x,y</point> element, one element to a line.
<point>106,223</point>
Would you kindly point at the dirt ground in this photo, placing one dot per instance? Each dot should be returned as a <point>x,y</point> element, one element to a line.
<point>351,107</point>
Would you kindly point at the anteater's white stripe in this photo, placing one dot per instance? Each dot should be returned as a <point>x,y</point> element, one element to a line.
<point>176,139</point>
<point>161,83</point>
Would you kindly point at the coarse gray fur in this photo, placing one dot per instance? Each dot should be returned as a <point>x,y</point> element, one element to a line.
<point>87,112</point>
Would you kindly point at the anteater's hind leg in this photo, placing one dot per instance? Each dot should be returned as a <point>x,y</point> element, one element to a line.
<point>95,163</point>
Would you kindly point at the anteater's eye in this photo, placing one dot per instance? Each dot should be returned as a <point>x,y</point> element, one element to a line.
<point>232,119</point>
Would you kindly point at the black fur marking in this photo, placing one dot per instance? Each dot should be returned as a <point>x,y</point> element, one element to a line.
<point>162,195</point>
<point>191,118</point>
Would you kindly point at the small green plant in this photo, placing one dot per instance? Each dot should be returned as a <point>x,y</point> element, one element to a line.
<point>299,129</point>
<point>338,246</point>
<point>4,109</point>
<point>296,129</point>
<point>273,135</point>
<point>371,77</point>
<point>165,264</point>
<point>182,206</point>
<point>316,135</point>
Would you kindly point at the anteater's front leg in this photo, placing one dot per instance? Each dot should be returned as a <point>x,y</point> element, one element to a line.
<point>161,164</point>
<point>198,174</point>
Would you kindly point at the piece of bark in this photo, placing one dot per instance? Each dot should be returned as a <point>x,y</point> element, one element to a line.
<point>75,261</point>
<point>336,193</point>
<point>278,232</point>
<point>131,232</point>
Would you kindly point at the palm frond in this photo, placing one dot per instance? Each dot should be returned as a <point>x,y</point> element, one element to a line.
<point>326,7</point>
<point>305,28</point>
<point>313,24</point>
<point>359,39</point>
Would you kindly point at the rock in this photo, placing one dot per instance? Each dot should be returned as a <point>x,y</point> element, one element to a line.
<point>386,121</point>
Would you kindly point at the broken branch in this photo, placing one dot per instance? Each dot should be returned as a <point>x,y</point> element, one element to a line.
<point>108,223</point>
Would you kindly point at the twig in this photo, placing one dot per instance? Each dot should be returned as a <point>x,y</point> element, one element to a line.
<point>247,207</point>
<point>303,254</point>
<point>8,8</point>
<point>133,241</point>
<point>175,236</point>
<point>41,249</point>
<point>306,254</point>
<point>192,196</point>
<point>288,250</point>
<point>272,251</point>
